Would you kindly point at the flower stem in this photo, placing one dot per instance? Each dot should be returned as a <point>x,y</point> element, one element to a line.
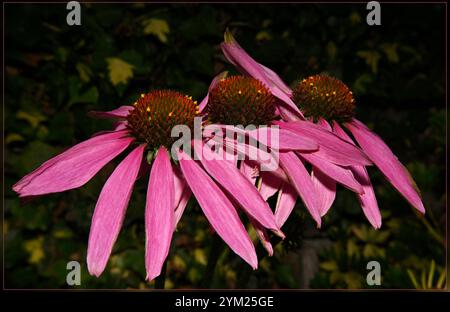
<point>245,272</point>
<point>217,247</point>
<point>160,281</point>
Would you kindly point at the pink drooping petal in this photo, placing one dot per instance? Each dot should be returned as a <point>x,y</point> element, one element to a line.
<point>342,175</point>
<point>367,200</point>
<point>120,125</point>
<point>326,187</point>
<point>159,213</point>
<point>263,236</point>
<point>74,167</point>
<point>250,170</point>
<point>231,157</point>
<point>231,179</point>
<point>331,147</point>
<point>270,184</point>
<point>286,113</point>
<point>267,159</point>
<point>272,137</point>
<point>276,80</point>
<point>387,162</point>
<point>324,124</point>
<point>182,193</point>
<point>110,211</point>
<point>301,180</point>
<point>218,210</point>
<point>247,65</point>
<point>185,196</point>
<point>179,184</point>
<point>287,140</point>
<point>213,84</point>
<point>118,113</point>
<point>326,190</point>
<point>287,198</point>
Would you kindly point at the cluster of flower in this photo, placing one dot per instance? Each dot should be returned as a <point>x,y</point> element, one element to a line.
<point>319,143</point>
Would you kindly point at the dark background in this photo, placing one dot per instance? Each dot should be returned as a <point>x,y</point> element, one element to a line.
<point>55,74</point>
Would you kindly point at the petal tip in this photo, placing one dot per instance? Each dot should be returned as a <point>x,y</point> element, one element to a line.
<point>95,269</point>
<point>151,276</point>
<point>279,233</point>
<point>228,36</point>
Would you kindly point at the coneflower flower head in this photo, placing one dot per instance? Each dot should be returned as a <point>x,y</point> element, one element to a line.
<point>322,96</point>
<point>330,103</point>
<point>156,113</point>
<point>146,127</point>
<point>241,100</point>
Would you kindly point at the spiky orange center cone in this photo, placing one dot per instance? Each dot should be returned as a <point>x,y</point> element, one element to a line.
<point>239,100</point>
<point>326,97</point>
<point>156,113</point>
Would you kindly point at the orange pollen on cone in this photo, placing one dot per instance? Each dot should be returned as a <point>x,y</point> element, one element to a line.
<point>156,113</point>
<point>322,96</point>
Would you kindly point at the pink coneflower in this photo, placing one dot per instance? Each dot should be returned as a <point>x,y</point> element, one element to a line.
<point>146,128</point>
<point>241,100</point>
<point>325,99</point>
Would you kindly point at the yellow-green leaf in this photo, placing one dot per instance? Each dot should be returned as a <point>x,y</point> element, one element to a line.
<point>390,49</point>
<point>200,257</point>
<point>371,58</point>
<point>352,248</point>
<point>119,70</point>
<point>35,249</point>
<point>84,72</point>
<point>331,50</point>
<point>34,118</point>
<point>335,277</point>
<point>179,263</point>
<point>157,27</point>
<point>63,233</point>
<point>355,18</point>
<point>13,137</point>
<point>263,35</point>
<point>329,265</point>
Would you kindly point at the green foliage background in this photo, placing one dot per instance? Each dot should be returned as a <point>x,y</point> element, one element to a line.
<point>55,74</point>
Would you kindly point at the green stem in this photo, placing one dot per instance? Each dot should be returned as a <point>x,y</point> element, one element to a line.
<point>245,272</point>
<point>160,281</point>
<point>217,247</point>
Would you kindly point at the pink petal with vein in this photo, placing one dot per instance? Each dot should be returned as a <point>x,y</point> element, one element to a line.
<point>182,193</point>
<point>270,184</point>
<point>250,170</point>
<point>118,113</point>
<point>185,196</point>
<point>326,187</point>
<point>337,173</point>
<point>301,180</point>
<point>231,179</point>
<point>218,210</point>
<point>367,200</point>
<point>74,167</point>
<point>387,162</point>
<point>286,202</point>
<point>331,147</point>
<point>247,65</point>
<point>287,140</point>
<point>326,190</point>
<point>159,213</point>
<point>263,236</point>
<point>110,211</point>
<point>213,84</point>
